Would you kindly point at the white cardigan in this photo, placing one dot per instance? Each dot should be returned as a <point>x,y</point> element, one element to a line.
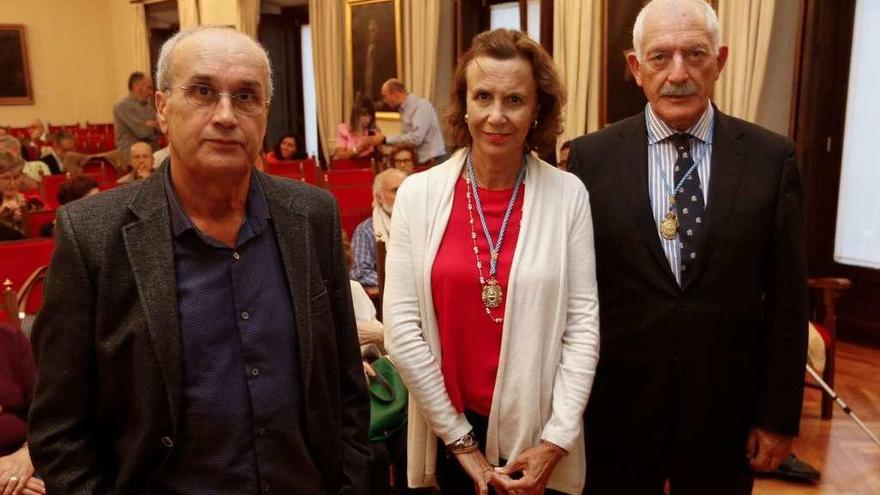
<point>550,340</point>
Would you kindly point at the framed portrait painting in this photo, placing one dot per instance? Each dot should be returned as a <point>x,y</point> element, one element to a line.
<point>373,48</point>
<point>15,78</point>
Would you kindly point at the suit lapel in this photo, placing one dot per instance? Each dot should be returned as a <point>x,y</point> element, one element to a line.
<point>149,245</point>
<point>293,233</point>
<point>728,160</point>
<point>632,157</point>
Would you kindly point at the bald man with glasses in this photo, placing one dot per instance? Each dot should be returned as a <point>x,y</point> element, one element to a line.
<point>197,335</point>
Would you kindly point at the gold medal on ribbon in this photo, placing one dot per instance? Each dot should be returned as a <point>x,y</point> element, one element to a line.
<point>492,294</point>
<point>669,226</point>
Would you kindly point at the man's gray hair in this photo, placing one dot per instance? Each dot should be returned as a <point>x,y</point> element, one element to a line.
<point>709,16</point>
<point>163,67</point>
<point>382,177</point>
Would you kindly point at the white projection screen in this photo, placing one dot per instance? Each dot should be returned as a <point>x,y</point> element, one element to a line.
<point>857,241</point>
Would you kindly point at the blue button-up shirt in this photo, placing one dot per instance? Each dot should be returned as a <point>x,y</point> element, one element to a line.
<point>241,426</point>
<point>421,129</point>
<point>661,160</point>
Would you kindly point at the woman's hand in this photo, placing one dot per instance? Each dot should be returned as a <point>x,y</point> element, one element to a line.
<point>478,468</point>
<point>536,465</point>
<point>16,473</point>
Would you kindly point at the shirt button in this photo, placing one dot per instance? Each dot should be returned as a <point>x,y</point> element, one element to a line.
<point>245,315</point>
<point>167,442</point>
<point>255,371</point>
<point>261,431</point>
<point>236,255</point>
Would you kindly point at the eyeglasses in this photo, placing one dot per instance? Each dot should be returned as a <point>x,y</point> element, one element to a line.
<point>245,101</point>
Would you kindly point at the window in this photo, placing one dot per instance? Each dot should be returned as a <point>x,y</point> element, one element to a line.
<point>506,15</point>
<point>310,109</point>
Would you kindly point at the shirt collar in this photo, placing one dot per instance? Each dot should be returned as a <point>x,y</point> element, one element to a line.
<point>257,208</point>
<point>659,130</point>
<point>407,102</point>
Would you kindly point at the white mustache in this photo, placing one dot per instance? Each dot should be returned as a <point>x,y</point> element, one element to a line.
<point>686,89</point>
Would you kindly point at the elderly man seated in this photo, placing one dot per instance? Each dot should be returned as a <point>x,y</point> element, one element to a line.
<point>376,227</point>
<point>141,160</point>
<point>62,156</point>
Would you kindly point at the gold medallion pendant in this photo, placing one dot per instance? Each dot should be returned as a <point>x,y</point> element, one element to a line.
<point>669,226</point>
<point>492,294</point>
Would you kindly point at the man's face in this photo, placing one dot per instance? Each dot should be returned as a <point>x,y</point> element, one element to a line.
<point>36,129</point>
<point>214,139</point>
<point>678,71</point>
<point>141,157</point>
<point>403,161</point>
<point>64,146</point>
<point>389,192</point>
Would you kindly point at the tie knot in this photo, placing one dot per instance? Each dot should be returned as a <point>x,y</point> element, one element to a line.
<point>682,141</point>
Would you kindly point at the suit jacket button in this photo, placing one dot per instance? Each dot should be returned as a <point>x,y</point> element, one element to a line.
<point>168,442</point>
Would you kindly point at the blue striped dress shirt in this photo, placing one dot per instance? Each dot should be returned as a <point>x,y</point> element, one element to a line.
<point>661,161</point>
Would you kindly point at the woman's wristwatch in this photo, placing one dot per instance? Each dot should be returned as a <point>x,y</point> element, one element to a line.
<point>465,444</point>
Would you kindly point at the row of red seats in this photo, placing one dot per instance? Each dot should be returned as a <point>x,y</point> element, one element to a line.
<point>351,186</point>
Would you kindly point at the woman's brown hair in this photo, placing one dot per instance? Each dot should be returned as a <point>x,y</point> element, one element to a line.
<point>505,44</point>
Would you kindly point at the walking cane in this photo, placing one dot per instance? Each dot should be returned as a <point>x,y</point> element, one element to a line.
<point>828,390</point>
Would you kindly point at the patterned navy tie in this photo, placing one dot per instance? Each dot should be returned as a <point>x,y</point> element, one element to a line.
<point>689,203</point>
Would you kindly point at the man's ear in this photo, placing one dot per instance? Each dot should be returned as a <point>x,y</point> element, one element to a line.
<point>635,67</point>
<point>721,60</point>
<point>161,98</point>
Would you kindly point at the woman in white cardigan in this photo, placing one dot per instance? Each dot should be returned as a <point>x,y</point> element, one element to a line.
<point>498,345</point>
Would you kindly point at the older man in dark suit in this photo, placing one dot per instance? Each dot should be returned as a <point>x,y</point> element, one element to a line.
<point>197,334</point>
<point>701,274</point>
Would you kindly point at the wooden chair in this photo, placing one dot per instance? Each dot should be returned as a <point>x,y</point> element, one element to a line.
<point>824,295</point>
<point>17,304</point>
<point>381,252</point>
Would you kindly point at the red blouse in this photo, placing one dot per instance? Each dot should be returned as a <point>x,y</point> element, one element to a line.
<point>17,375</point>
<point>469,339</point>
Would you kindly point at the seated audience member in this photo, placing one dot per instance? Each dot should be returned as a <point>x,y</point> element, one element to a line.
<point>75,188</point>
<point>562,163</point>
<point>375,228</point>
<point>38,140</point>
<point>13,145</point>
<point>15,204</point>
<point>351,136</point>
<point>141,160</point>
<point>62,156</point>
<point>17,375</point>
<point>286,149</point>
<point>371,335</point>
<point>404,159</point>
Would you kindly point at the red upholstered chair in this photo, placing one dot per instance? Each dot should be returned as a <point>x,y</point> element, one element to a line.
<point>824,295</point>
<point>22,265</point>
<point>303,170</point>
<point>351,177</point>
<point>36,219</point>
<point>356,164</point>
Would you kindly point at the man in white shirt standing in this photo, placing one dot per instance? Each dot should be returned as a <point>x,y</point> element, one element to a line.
<point>419,125</point>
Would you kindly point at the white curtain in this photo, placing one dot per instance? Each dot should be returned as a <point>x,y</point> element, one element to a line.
<point>747,28</point>
<point>188,13</point>
<point>140,46</point>
<point>577,45</point>
<point>325,18</point>
<point>421,32</point>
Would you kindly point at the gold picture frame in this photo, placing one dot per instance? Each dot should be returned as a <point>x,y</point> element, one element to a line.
<point>15,78</point>
<point>373,50</point>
